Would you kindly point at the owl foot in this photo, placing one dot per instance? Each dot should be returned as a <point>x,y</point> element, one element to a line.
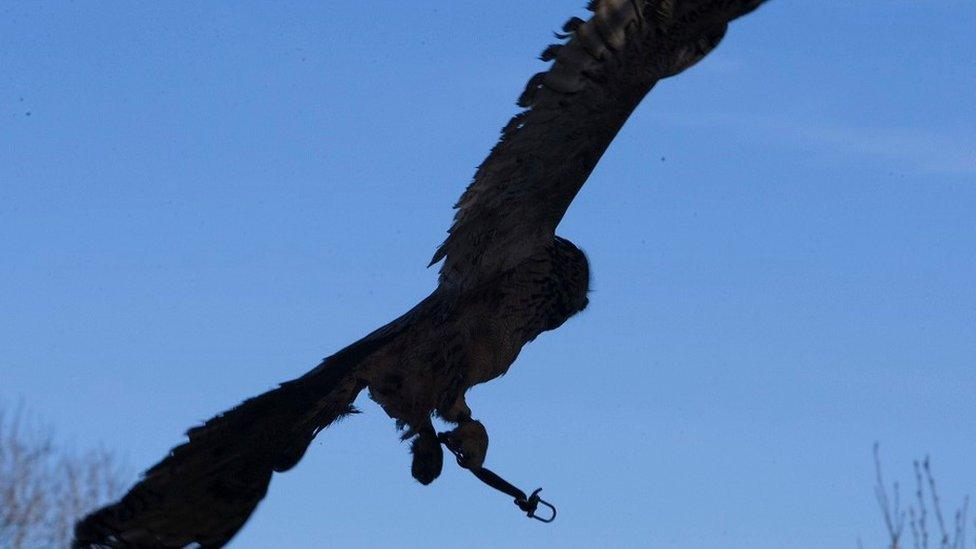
<point>468,442</point>
<point>428,458</point>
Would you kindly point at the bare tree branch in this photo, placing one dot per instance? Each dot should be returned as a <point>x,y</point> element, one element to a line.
<point>44,488</point>
<point>918,511</point>
<point>894,517</point>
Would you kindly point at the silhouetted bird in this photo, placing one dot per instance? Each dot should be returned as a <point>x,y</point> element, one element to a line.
<point>506,278</point>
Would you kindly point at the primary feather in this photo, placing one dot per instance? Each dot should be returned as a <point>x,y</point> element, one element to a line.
<point>572,113</point>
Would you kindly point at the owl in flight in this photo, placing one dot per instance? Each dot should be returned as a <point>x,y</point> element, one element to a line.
<point>505,278</point>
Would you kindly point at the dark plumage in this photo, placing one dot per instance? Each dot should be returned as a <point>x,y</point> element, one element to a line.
<point>506,278</point>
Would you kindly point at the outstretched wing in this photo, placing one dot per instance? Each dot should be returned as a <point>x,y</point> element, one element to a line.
<point>573,111</point>
<point>204,491</point>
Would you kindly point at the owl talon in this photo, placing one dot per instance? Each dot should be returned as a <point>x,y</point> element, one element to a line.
<point>428,458</point>
<point>468,442</point>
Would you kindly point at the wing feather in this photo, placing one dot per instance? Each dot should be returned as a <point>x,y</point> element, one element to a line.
<point>572,113</point>
<point>206,488</point>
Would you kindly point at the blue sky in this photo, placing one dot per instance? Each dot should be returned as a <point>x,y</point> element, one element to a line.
<point>200,200</point>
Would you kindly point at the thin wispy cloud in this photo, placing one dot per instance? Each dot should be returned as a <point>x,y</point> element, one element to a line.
<point>928,151</point>
<point>921,149</point>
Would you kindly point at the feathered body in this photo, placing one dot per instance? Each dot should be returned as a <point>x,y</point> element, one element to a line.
<point>477,335</point>
<point>506,278</point>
